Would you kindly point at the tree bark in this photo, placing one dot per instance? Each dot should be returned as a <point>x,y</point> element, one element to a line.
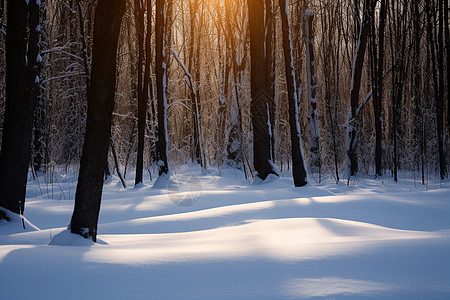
<point>315,163</point>
<point>108,17</point>
<point>377,55</point>
<point>298,165</point>
<point>358,64</point>
<point>438,97</point>
<point>161,86</point>
<point>270,70</point>
<point>417,90</point>
<point>22,79</point>
<point>259,106</point>
<point>141,99</point>
<point>41,135</point>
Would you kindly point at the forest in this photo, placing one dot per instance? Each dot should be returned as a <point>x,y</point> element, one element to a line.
<point>303,88</point>
<point>224,149</point>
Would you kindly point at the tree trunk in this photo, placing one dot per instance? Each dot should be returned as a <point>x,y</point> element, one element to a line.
<point>270,71</point>
<point>315,164</point>
<point>108,17</point>
<point>377,59</point>
<point>161,86</point>
<point>22,80</point>
<point>438,97</point>
<point>259,106</point>
<point>41,135</point>
<point>358,64</point>
<point>142,99</point>
<point>417,90</point>
<point>298,165</point>
<point>447,46</point>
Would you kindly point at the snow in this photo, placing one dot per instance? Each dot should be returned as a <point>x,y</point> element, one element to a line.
<point>375,239</point>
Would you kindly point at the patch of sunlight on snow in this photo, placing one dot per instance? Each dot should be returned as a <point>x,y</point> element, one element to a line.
<point>279,239</point>
<point>195,215</point>
<point>329,286</point>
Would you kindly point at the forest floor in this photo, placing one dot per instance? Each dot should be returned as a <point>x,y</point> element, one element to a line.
<point>215,236</point>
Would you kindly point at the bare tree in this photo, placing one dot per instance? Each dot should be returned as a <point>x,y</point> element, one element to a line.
<point>108,17</point>
<point>377,63</point>
<point>314,144</point>
<point>259,105</point>
<point>22,85</point>
<point>161,86</point>
<point>437,80</point>
<point>358,64</point>
<point>298,165</point>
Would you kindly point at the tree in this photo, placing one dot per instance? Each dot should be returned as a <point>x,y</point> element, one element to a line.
<point>270,70</point>
<point>377,60</point>
<point>107,21</point>
<point>298,165</point>
<point>358,64</point>
<point>438,82</point>
<point>161,87</point>
<point>259,106</point>
<point>22,84</point>
<point>141,97</point>
<point>314,144</point>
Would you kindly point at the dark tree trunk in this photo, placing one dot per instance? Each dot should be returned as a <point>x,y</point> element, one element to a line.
<point>438,97</point>
<point>398,28</point>
<point>259,106</point>
<point>298,165</point>
<point>315,163</point>
<point>108,17</point>
<point>356,86</point>
<point>270,71</point>
<point>161,85</point>
<point>142,99</point>
<point>441,68</point>
<point>41,135</point>
<point>22,79</point>
<point>447,46</point>
<point>417,89</point>
<point>116,162</point>
<point>377,59</point>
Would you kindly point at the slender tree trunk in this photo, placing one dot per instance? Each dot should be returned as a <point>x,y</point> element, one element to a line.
<point>108,17</point>
<point>270,70</point>
<point>259,106</point>
<point>298,165</point>
<point>142,99</point>
<point>417,89</point>
<point>161,87</point>
<point>314,146</point>
<point>447,46</point>
<point>22,79</point>
<point>377,59</point>
<point>358,64</point>
<point>148,83</point>
<point>41,136</point>
<point>116,162</point>
<point>438,97</point>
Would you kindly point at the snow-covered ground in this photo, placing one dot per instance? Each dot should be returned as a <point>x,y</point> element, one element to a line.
<point>215,236</point>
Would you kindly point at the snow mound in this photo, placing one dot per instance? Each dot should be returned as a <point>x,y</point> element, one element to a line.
<point>14,223</point>
<point>162,182</point>
<point>66,238</point>
<point>290,239</point>
<point>271,178</point>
